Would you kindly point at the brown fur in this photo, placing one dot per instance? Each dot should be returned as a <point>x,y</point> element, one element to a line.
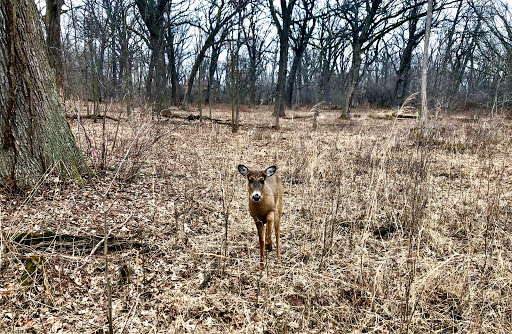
<point>268,210</point>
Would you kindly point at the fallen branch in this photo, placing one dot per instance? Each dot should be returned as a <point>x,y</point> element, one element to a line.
<point>91,117</point>
<point>168,114</point>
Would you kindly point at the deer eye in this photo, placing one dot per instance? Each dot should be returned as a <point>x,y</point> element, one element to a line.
<point>262,181</point>
<point>251,180</point>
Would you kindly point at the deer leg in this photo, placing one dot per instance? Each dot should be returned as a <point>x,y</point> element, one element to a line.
<point>278,229</point>
<point>270,221</point>
<point>261,236</point>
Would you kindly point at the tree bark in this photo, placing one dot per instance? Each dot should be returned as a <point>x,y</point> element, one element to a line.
<point>35,135</point>
<point>159,95</point>
<point>291,79</point>
<point>172,68</point>
<point>52,23</point>
<point>354,77</point>
<point>281,76</point>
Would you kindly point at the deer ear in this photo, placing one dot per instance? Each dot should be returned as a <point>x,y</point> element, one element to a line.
<point>270,171</point>
<point>243,170</point>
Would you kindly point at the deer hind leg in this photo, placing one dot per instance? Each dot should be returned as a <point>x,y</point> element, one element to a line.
<point>261,236</point>
<point>270,222</point>
<point>277,224</point>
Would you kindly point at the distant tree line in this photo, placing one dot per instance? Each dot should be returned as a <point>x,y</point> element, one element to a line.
<point>282,53</point>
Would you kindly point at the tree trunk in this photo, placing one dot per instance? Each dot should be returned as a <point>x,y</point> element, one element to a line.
<point>95,81</point>
<point>52,22</point>
<point>252,79</point>
<point>200,93</point>
<point>354,77</point>
<point>173,73</point>
<point>281,77</point>
<point>211,71</point>
<point>292,77</point>
<point>161,76</point>
<point>283,30</point>
<point>126,66</point>
<point>442,77</point>
<point>190,83</point>
<point>402,82</point>
<point>152,13</point>
<point>156,81</point>
<point>424,67</point>
<point>35,135</point>
<point>301,40</point>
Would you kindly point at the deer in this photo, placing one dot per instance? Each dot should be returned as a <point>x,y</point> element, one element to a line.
<point>265,205</point>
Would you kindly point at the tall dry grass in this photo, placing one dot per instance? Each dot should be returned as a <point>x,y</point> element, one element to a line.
<point>384,230</point>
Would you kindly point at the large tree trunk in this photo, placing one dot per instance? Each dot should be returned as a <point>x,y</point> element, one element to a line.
<point>402,82</point>
<point>35,136</point>
<point>443,75</point>
<point>159,94</point>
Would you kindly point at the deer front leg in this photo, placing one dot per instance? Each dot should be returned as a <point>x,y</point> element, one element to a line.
<point>261,232</point>
<point>277,224</point>
<point>270,222</point>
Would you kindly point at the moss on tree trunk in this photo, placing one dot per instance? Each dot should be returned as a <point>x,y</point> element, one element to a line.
<point>35,135</point>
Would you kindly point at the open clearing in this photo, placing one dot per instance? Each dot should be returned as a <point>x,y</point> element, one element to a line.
<point>383,229</point>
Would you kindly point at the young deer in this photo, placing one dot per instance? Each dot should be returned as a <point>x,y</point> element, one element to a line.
<point>265,205</point>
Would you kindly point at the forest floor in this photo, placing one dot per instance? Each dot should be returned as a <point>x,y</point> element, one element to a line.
<point>385,229</point>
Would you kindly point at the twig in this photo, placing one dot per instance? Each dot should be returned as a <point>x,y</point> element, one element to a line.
<point>134,306</point>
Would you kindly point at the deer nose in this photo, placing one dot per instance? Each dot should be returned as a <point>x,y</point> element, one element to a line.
<point>256,197</point>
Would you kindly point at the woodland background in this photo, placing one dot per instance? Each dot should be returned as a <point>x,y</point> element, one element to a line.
<point>389,225</point>
<point>158,51</point>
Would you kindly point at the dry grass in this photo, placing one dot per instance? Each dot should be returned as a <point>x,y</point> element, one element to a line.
<point>384,230</point>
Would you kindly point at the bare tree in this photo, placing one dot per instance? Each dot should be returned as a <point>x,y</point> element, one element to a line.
<point>282,20</point>
<point>305,24</point>
<point>116,49</point>
<point>152,13</point>
<point>214,60</point>
<point>222,13</point>
<point>368,22</point>
<point>414,36</point>
<point>330,44</point>
<point>255,40</point>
